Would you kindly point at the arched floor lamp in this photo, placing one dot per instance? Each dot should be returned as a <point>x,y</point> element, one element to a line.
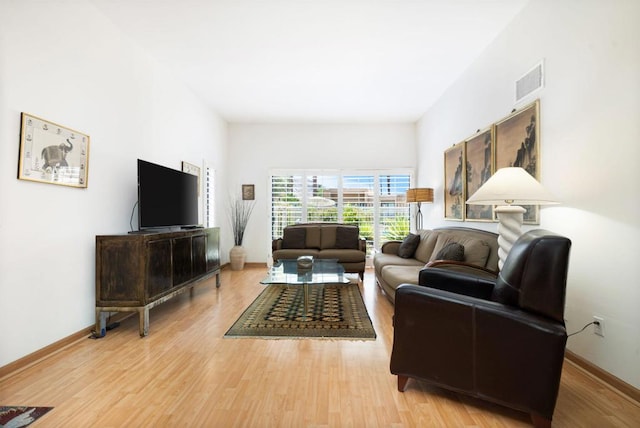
<point>509,188</point>
<point>419,195</point>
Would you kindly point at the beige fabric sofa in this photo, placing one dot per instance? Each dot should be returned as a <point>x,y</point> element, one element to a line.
<point>323,241</point>
<point>480,256</point>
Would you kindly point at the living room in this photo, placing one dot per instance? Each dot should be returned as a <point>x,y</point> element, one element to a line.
<point>68,63</point>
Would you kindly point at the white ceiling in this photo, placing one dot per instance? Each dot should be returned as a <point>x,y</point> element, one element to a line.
<point>314,60</point>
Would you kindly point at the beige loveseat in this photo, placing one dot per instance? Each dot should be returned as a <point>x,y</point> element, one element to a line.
<point>323,241</point>
<point>480,256</point>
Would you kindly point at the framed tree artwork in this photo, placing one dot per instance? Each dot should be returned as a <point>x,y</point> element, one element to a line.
<point>454,182</point>
<point>517,144</point>
<point>479,167</point>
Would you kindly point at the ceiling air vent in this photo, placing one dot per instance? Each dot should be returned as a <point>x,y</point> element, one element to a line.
<point>530,82</point>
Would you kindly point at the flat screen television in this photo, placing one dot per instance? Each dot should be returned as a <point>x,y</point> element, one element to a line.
<point>167,198</point>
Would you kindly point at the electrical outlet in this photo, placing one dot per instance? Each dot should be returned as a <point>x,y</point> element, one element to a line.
<point>599,327</point>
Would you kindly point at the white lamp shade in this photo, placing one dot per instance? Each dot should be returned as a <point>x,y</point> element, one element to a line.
<point>512,186</point>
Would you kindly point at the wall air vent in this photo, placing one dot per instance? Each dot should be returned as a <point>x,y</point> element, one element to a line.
<point>530,82</point>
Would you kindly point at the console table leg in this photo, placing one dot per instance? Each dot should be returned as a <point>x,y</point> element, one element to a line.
<point>143,321</point>
<point>101,323</point>
<point>306,299</point>
<point>218,279</point>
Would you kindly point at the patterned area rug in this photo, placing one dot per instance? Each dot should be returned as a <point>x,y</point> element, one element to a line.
<point>20,416</point>
<point>335,312</point>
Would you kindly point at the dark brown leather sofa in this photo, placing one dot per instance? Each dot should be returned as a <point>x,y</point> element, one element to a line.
<point>502,340</point>
<point>337,241</point>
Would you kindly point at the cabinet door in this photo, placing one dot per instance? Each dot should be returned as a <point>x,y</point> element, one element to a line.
<point>118,271</point>
<point>213,248</point>
<point>158,267</point>
<point>199,253</point>
<point>182,268</point>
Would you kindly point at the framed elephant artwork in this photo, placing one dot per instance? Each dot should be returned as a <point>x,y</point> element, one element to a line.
<point>478,168</point>
<point>454,182</point>
<point>52,153</point>
<point>517,143</point>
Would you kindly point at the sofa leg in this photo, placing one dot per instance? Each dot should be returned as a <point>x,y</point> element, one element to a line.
<point>540,421</point>
<point>361,276</point>
<point>402,382</point>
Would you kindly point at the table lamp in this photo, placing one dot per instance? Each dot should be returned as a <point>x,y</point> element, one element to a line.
<point>509,188</point>
<point>419,195</point>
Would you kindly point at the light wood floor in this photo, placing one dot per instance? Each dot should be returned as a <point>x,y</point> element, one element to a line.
<point>184,374</point>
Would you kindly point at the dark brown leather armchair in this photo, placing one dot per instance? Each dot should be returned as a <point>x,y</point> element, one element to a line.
<point>502,340</point>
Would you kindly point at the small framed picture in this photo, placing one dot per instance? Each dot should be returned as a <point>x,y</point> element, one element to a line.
<point>248,192</point>
<point>52,153</point>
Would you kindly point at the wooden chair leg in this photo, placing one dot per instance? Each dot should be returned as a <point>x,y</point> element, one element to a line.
<point>540,421</point>
<point>402,382</point>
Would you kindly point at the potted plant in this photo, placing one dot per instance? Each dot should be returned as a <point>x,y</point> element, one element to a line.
<point>240,213</point>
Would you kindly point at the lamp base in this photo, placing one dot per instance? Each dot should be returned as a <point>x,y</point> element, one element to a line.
<point>510,219</point>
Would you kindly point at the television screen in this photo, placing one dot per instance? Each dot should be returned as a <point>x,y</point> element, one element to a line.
<point>166,197</point>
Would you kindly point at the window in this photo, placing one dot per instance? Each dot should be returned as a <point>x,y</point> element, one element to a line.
<point>394,216</point>
<point>322,198</point>
<point>286,202</point>
<point>375,200</point>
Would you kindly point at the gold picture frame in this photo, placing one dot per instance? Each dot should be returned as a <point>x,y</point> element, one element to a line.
<point>248,192</point>
<point>52,153</point>
<point>193,170</point>
<point>517,143</point>
<point>479,154</point>
<point>454,182</point>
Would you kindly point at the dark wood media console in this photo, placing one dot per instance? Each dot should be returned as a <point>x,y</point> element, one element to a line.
<point>136,272</point>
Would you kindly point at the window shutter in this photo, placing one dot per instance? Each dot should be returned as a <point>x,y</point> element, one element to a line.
<point>286,202</point>
<point>209,197</point>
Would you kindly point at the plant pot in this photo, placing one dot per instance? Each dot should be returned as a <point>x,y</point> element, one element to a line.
<point>237,257</point>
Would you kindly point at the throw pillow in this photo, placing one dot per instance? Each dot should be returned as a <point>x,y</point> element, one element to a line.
<point>294,237</point>
<point>451,251</point>
<point>347,237</point>
<point>408,246</point>
<point>476,251</point>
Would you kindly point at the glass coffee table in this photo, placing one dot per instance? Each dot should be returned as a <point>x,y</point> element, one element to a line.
<point>323,271</point>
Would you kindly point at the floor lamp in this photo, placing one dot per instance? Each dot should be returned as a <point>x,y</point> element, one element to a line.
<point>419,195</point>
<point>509,188</point>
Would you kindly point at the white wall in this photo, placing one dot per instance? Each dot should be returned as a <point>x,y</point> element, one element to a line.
<point>254,149</point>
<point>589,134</point>
<point>66,63</point>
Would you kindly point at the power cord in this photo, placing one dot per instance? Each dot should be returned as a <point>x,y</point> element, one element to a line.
<point>131,219</point>
<point>583,328</point>
<point>95,335</point>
